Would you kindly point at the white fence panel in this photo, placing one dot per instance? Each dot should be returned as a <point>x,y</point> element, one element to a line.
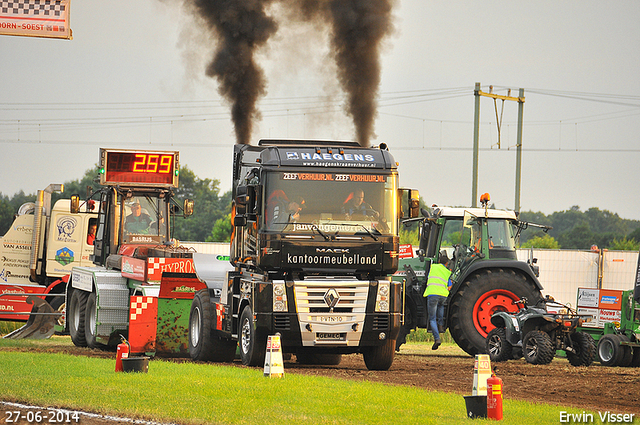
<point>619,269</point>
<point>216,248</point>
<point>563,271</point>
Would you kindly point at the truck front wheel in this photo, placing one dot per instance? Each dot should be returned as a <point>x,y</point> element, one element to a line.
<point>252,349</point>
<point>76,316</point>
<point>380,357</point>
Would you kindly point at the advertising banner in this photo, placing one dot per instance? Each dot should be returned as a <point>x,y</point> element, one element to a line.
<point>35,18</point>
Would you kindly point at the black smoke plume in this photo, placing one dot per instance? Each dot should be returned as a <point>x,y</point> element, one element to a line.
<point>357,28</point>
<point>240,27</point>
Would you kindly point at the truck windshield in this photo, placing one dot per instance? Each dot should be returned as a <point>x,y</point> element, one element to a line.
<point>144,219</point>
<point>343,203</point>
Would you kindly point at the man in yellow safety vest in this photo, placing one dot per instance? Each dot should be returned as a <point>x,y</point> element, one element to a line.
<point>437,290</point>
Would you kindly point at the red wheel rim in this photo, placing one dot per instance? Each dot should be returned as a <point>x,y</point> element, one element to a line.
<point>489,303</point>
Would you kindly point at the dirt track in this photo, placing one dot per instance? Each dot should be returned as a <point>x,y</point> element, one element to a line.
<point>596,388</point>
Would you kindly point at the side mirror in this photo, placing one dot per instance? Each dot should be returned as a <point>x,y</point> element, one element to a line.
<point>240,221</point>
<point>242,200</point>
<point>410,203</point>
<point>247,200</point>
<point>414,203</point>
<point>75,204</point>
<point>188,207</point>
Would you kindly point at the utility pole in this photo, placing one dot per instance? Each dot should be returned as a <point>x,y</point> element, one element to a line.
<point>476,136</point>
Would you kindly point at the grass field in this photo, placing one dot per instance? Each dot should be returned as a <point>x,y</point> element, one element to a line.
<point>209,393</point>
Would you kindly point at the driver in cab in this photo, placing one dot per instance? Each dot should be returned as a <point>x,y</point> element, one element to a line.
<point>355,207</point>
<point>138,221</point>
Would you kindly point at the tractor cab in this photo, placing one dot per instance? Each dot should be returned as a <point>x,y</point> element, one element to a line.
<point>466,235</point>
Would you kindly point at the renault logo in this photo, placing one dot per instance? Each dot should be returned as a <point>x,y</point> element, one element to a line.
<point>331,297</point>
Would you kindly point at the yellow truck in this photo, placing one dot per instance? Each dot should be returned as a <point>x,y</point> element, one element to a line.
<point>36,257</point>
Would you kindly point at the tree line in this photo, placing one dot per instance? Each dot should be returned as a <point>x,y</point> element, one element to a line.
<point>211,221</point>
<point>571,229</point>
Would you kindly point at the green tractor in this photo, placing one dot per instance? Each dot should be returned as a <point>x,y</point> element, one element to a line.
<point>486,274</point>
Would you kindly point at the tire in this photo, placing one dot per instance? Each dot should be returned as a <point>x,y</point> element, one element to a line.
<point>537,348</point>
<point>585,349</point>
<point>627,354</point>
<point>610,351</point>
<point>309,358</point>
<point>379,357</point>
<point>90,321</point>
<point>635,361</point>
<point>498,348</point>
<point>480,295</point>
<point>252,348</point>
<point>203,345</point>
<point>76,313</point>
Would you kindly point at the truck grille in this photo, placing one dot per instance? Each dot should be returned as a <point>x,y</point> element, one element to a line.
<point>316,296</point>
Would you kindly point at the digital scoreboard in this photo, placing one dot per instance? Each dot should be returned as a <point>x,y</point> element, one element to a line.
<point>138,168</point>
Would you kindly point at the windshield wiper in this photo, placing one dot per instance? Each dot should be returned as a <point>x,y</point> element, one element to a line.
<point>375,238</point>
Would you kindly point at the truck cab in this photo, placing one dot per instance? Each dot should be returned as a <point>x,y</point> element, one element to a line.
<point>345,219</point>
<point>315,237</point>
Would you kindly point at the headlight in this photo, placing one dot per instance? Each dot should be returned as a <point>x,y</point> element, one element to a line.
<point>279,297</point>
<point>382,299</point>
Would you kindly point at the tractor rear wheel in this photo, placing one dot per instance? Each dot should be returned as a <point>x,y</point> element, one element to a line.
<point>203,345</point>
<point>480,296</point>
<point>585,349</point>
<point>537,348</point>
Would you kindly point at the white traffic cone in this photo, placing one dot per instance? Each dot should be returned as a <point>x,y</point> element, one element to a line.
<point>481,372</point>
<point>273,363</point>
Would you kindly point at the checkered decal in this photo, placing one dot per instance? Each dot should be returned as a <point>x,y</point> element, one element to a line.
<point>138,305</point>
<point>219,316</point>
<point>39,8</point>
<point>153,264</point>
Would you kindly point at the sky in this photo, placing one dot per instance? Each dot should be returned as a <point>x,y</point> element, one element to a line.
<point>133,76</point>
